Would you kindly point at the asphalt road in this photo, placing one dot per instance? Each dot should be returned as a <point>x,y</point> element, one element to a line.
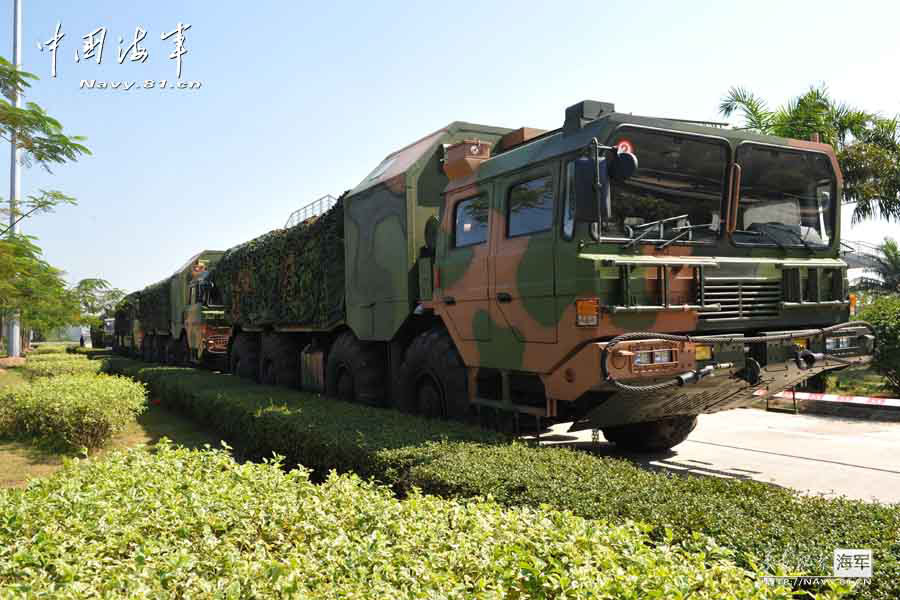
<point>812,454</point>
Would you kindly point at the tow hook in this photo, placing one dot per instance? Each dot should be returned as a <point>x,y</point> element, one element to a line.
<point>695,376</point>
<point>806,359</point>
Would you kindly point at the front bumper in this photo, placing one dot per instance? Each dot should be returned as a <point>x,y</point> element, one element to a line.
<point>736,374</point>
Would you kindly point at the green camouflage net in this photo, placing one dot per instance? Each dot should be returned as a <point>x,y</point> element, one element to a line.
<point>287,276</point>
<point>126,311</point>
<point>153,307</point>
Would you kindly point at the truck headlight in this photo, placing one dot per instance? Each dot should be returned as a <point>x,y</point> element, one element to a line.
<point>662,356</point>
<point>837,343</point>
<point>643,358</point>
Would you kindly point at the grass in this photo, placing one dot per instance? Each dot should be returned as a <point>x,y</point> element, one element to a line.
<point>858,381</point>
<point>21,461</point>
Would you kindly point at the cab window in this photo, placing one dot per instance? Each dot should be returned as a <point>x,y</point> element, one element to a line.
<point>471,222</point>
<point>568,218</point>
<point>529,207</point>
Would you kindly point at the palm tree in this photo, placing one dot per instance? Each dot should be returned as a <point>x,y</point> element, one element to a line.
<point>885,277</point>
<point>867,145</point>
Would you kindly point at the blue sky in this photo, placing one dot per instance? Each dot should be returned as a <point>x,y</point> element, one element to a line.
<point>300,99</point>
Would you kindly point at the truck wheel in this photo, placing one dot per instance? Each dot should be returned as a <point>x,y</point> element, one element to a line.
<point>652,436</point>
<point>180,352</point>
<point>354,371</point>
<point>433,378</point>
<point>170,352</point>
<point>279,361</point>
<point>185,352</point>
<point>244,358</point>
<point>159,354</point>
<point>147,348</point>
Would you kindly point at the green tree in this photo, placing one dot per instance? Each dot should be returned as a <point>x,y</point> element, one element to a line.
<point>33,288</point>
<point>28,285</point>
<point>96,299</point>
<point>867,145</point>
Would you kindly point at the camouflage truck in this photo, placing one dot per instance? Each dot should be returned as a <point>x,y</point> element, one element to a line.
<point>103,335</point>
<point>625,273</point>
<point>127,331</point>
<point>178,320</point>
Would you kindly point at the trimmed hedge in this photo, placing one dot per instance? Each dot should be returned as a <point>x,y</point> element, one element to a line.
<point>181,523</point>
<point>318,432</point>
<point>51,365</point>
<point>38,350</point>
<point>71,412</point>
<point>765,524</point>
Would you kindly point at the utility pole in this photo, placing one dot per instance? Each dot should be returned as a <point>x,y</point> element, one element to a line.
<point>13,330</point>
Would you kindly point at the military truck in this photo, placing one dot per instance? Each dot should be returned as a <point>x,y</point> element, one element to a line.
<point>625,273</point>
<point>102,335</point>
<point>178,320</point>
<point>127,332</point>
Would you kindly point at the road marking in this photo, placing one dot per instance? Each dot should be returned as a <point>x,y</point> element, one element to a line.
<point>866,400</point>
<point>821,460</point>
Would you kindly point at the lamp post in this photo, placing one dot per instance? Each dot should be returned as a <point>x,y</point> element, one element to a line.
<point>13,336</point>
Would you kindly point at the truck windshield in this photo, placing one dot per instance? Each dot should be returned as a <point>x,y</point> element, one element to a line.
<point>210,295</point>
<point>677,190</point>
<point>787,197</point>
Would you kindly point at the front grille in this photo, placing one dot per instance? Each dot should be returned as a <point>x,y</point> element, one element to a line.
<point>217,343</point>
<point>741,298</point>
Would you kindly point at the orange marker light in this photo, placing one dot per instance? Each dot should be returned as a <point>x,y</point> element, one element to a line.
<point>853,304</point>
<point>587,312</point>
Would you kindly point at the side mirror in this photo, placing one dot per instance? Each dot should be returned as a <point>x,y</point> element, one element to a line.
<point>587,209</point>
<point>623,166</point>
<point>591,190</point>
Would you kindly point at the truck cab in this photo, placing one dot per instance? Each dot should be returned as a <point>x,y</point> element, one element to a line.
<point>206,329</point>
<point>712,232</point>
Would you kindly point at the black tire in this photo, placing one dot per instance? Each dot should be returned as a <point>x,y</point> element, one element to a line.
<point>652,436</point>
<point>433,379</point>
<point>354,371</point>
<point>244,356</point>
<point>816,383</point>
<point>170,350</point>
<point>279,360</point>
<point>147,348</point>
<point>179,352</point>
<point>160,350</point>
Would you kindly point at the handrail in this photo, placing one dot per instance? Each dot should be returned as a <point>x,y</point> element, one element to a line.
<point>315,208</point>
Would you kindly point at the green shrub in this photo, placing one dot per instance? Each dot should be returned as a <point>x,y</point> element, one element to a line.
<point>182,523</point>
<point>318,432</point>
<point>71,412</point>
<point>83,350</point>
<point>884,316</point>
<point>765,524</point>
<point>51,365</point>
<point>58,349</point>
<point>64,356</point>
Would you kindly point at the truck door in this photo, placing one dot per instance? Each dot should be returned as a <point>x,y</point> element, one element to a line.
<point>463,267</point>
<point>523,259</point>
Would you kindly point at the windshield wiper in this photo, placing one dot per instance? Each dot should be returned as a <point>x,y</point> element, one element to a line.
<point>648,227</point>
<point>674,239</point>
<point>699,226</point>
<point>786,229</point>
<point>763,233</point>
